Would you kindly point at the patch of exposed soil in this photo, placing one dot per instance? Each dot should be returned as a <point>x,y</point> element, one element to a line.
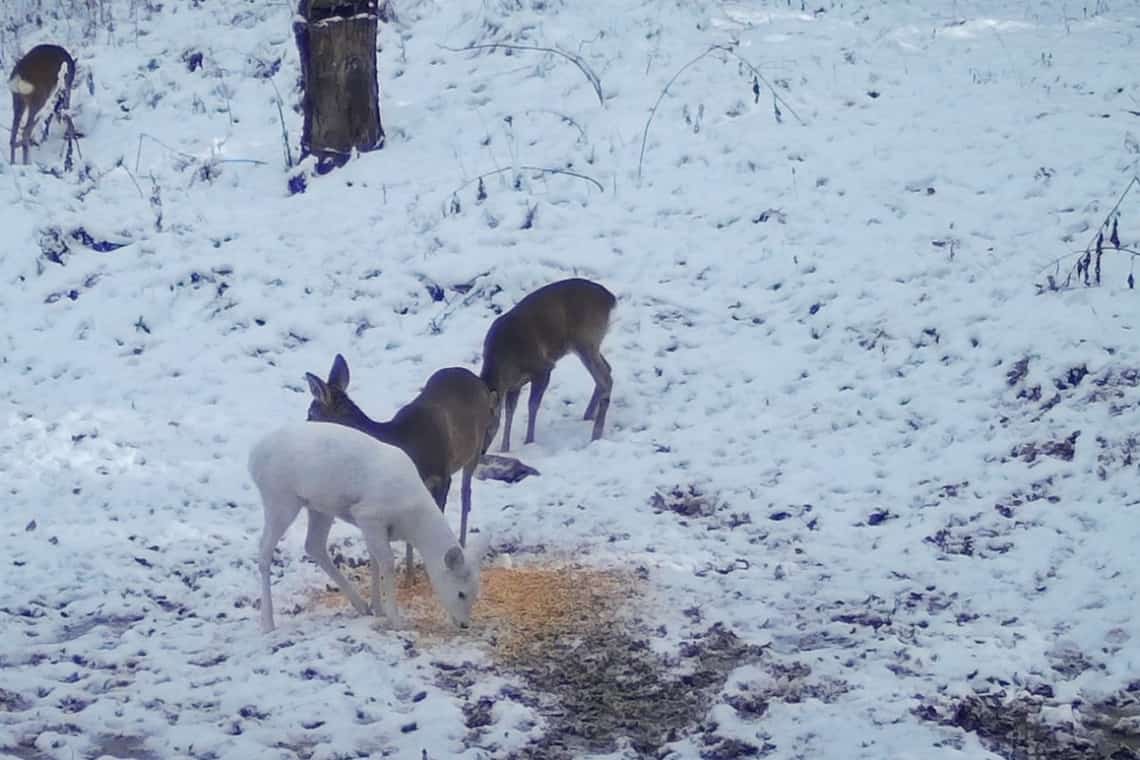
<point>590,674</point>
<point>608,685</point>
<point>1015,726</point>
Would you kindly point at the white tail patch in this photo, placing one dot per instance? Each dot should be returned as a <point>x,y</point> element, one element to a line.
<point>20,86</point>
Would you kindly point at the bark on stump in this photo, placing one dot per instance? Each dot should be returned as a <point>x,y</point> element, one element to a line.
<point>336,40</point>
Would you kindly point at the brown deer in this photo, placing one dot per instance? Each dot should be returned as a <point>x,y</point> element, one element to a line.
<point>524,344</point>
<point>34,78</point>
<point>445,428</point>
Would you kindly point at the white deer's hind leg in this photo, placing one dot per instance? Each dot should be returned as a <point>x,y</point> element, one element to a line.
<point>384,570</point>
<point>374,573</point>
<point>279,515</point>
<point>317,547</point>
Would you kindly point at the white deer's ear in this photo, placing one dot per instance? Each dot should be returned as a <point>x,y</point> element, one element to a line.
<point>453,559</point>
<point>480,545</point>
<point>318,388</point>
<point>338,375</point>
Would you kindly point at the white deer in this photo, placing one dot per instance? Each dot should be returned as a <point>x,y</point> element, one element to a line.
<point>335,471</point>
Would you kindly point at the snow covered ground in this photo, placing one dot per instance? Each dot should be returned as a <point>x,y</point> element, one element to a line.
<point>920,468</point>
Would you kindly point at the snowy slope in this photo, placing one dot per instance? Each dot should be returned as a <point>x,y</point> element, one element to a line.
<point>823,326</point>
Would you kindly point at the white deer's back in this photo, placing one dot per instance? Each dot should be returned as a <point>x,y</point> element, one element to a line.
<point>332,468</point>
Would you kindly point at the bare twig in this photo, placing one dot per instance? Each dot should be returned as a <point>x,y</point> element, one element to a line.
<point>1116,207</point>
<point>134,181</point>
<point>156,202</point>
<point>190,158</point>
<point>1096,243</point>
<point>284,132</point>
<point>543,169</point>
<point>574,58</point>
<point>660,97</point>
<point>1132,253</point>
<point>72,136</point>
<point>138,153</point>
<point>1122,249</point>
<point>564,119</point>
<point>712,49</point>
<point>775,95</point>
<point>436,323</point>
<point>224,89</point>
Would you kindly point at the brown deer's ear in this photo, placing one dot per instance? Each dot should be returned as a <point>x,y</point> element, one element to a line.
<point>318,388</point>
<point>338,375</point>
<point>453,559</point>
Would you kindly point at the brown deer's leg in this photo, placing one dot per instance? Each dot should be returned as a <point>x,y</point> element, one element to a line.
<point>409,564</point>
<point>465,498</point>
<point>599,369</point>
<point>18,109</point>
<point>510,401</point>
<point>27,136</point>
<point>438,490</point>
<point>538,383</point>
<point>17,112</point>
<point>592,407</point>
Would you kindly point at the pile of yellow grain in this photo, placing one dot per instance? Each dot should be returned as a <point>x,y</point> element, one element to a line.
<point>518,607</point>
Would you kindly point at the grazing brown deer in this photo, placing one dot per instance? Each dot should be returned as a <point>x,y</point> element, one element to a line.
<point>34,79</point>
<point>524,344</point>
<point>445,428</point>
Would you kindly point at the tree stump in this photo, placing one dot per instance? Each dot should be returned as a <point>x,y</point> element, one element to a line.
<point>336,40</point>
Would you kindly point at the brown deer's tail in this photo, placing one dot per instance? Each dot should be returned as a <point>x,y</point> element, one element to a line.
<point>18,86</point>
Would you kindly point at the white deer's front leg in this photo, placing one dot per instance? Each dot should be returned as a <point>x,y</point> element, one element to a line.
<point>374,570</point>
<point>266,600</point>
<point>383,572</point>
<point>317,547</point>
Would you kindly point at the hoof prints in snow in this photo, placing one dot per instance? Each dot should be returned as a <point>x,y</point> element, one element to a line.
<point>691,501</point>
<point>1064,449</point>
<point>686,501</point>
<point>55,248</point>
<point>113,745</point>
<point>1075,391</point>
<point>10,701</point>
